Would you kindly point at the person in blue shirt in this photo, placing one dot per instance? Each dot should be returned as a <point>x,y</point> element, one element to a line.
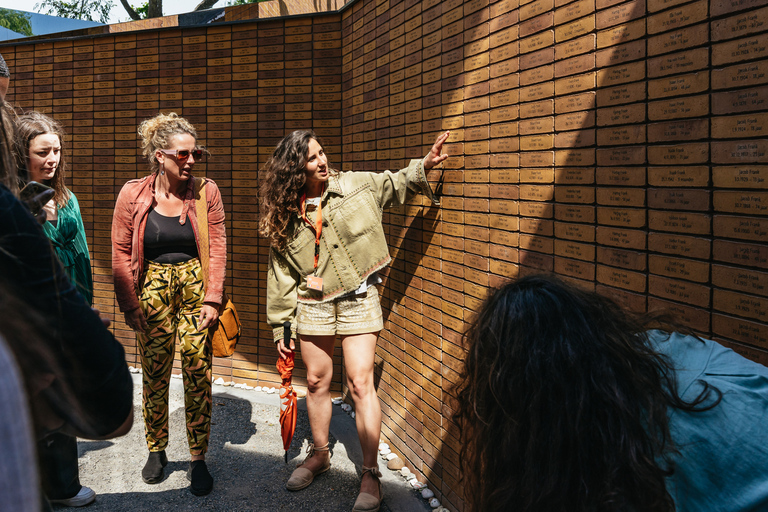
<point>567,402</point>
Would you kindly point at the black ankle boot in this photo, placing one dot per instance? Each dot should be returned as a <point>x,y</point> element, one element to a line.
<point>202,481</point>
<point>153,469</point>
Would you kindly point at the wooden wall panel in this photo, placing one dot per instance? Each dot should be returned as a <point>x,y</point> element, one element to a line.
<point>620,145</point>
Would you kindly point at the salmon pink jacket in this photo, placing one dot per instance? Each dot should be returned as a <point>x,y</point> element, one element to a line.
<point>129,222</point>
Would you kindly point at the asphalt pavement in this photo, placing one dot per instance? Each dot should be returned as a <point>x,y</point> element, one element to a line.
<point>245,457</point>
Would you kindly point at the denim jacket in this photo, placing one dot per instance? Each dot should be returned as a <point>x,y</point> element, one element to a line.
<point>352,244</point>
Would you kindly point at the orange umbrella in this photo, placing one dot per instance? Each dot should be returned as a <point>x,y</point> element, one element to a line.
<point>288,400</point>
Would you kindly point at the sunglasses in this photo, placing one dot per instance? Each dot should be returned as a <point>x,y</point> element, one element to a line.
<point>183,154</point>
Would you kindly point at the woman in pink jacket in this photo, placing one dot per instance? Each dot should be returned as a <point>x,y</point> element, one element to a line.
<point>161,289</point>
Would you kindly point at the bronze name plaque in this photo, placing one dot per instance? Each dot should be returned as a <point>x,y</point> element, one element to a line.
<point>737,126</point>
<point>688,176</point>
<point>745,228</point>
<point>678,17</point>
<point>679,222</point>
<point>683,268</point>
<point>575,29</point>
<point>737,152</point>
<point>740,75</point>
<point>746,280</point>
<point>681,245</point>
<point>741,176</point>
<point>620,278</point>
<point>678,40</point>
<point>679,199</point>
<point>678,85</point>
<point>749,48</point>
<point>742,100</point>
<point>621,176</point>
<point>690,106</point>
<point>679,62</point>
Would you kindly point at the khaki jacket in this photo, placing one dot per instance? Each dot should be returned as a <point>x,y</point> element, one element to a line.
<point>352,244</point>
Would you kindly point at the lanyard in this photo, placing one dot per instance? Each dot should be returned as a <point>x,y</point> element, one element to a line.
<point>318,225</point>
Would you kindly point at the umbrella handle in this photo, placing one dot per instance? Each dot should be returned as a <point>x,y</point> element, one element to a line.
<point>286,333</point>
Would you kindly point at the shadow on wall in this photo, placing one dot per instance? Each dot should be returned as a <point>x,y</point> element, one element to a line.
<point>583,156</point>
<point>410,230</point>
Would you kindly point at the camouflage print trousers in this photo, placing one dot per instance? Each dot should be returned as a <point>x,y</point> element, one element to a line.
<point>171,297</point>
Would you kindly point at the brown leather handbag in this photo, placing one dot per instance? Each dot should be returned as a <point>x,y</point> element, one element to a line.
<point>225,334</point>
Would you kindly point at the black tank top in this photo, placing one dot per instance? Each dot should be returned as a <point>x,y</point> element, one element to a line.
<point>167,241</point>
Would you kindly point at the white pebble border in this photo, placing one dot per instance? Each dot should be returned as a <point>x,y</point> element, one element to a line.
<point>221,382</point>
<point>384,449</point>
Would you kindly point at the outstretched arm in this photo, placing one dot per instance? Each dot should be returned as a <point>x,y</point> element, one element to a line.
<point>434,157</point>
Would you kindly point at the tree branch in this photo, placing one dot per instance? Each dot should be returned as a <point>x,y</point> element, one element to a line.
<point>154,9</point>
<point>205,4</point>
<point>133,14</point>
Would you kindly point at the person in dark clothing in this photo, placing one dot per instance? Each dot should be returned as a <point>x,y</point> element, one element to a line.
<point>86,390</point>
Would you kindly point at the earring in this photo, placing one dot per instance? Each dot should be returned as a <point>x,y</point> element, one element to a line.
<point>162,169</point>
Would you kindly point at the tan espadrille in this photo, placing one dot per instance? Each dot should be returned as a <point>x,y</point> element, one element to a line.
<point>301,476</point>
<point>368,502</point>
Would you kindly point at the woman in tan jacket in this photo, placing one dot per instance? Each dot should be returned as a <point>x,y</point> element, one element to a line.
<point>327,246</point>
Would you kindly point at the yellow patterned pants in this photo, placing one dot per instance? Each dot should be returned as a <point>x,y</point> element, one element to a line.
<point>171,298</point>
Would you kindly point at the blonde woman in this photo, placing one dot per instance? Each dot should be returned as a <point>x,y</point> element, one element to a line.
<point>161,290</point>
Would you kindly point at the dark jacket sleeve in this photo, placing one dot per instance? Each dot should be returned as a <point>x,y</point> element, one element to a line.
<point>91,361</point>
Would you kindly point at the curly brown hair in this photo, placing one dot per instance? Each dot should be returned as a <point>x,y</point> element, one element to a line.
<point>283,186</point>
<point>30,125</point>
<point>563,404</point>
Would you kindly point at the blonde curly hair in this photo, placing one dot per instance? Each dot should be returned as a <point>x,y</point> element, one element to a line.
<point>156,131</point>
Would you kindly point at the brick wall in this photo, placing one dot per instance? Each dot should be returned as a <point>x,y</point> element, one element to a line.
<point>620,145</point>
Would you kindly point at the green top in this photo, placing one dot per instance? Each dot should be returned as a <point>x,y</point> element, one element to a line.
<point>68,238</point>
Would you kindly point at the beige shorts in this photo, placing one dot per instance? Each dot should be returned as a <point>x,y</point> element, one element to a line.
<point>353,314</point>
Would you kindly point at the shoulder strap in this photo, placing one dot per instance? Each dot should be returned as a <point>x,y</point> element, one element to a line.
<point>201,212</point>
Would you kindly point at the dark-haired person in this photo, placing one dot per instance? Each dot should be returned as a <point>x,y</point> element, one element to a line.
<point>75,373</point>
<point>39,149</point>
<point>5,78</point>
<point>569,403</point>
<point>161,289</point>
<point>327,246</point>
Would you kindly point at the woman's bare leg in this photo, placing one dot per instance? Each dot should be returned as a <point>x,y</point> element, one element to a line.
<point>317,353</point>
<point>359,354</point>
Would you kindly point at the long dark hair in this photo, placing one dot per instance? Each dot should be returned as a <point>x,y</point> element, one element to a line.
<point>563,404</point>
<point>31,125</point>
<point>283,185</point>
